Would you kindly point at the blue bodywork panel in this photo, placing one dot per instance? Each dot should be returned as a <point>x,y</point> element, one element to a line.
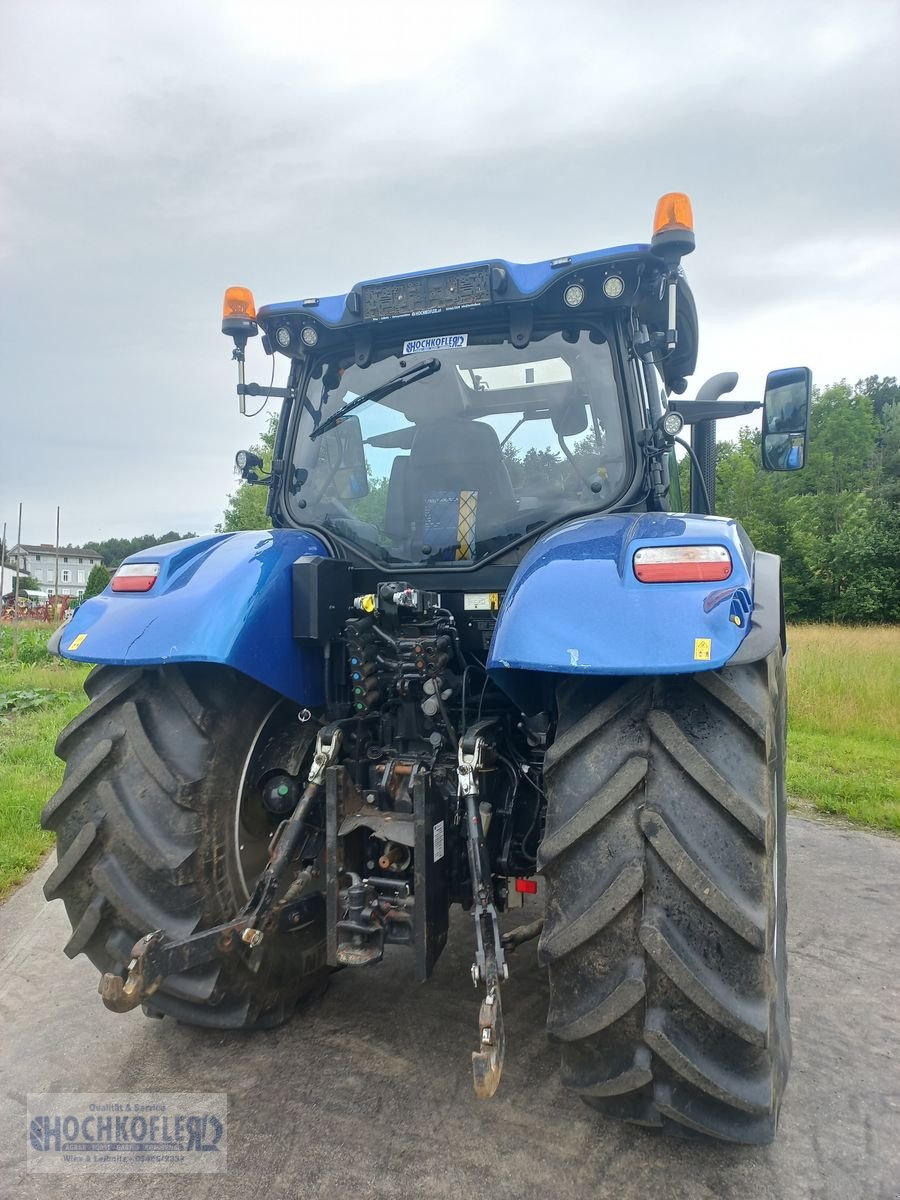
<point>219,599</point>
<point>575,605</point>
<point>525,281</point>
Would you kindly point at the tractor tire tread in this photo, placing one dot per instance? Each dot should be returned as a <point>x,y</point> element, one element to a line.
<point>134,817</point>
<point>665,910</point>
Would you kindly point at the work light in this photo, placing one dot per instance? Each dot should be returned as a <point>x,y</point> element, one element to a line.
<point>613,287</point>
<point>672,424</point>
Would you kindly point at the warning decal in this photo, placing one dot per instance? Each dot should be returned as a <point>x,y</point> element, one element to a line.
<point>439,841</point>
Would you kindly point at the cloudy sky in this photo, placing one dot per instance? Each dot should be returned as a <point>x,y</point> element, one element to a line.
<point>155,153</point>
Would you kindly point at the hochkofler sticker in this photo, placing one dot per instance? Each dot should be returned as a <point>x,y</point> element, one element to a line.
<point>450,341</point>
<point>146,1133</point>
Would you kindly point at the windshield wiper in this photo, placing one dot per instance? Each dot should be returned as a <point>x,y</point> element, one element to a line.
<point>404,379</point>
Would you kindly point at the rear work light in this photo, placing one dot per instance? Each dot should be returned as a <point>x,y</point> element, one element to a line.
<point>682,564</point>
<point>135,577</point>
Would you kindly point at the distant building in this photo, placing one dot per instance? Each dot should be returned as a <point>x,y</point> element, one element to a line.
<point>40,562</point>
<point>8,575</point>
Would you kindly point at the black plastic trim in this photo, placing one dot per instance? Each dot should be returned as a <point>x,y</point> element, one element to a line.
<point>767,627</point>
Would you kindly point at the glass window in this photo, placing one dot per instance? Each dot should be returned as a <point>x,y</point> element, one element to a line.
<point>65,576</point>
<point>492,444</point>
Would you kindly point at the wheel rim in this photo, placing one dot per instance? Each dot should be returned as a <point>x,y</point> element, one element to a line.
<point>278,743</point>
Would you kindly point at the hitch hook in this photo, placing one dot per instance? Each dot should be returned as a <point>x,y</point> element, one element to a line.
<point>122,995</point>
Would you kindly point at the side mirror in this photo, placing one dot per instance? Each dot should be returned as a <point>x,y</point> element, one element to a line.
<point>569,418</point>
<point>786,419</point>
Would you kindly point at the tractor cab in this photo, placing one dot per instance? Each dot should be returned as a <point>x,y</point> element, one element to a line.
<point>447,418</point>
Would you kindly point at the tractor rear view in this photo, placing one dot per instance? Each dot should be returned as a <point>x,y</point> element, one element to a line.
<point>482,643</point>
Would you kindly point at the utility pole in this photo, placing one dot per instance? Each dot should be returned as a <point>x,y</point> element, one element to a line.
<point>2,563</point>
<point>56,584</point>
<point>15,648</point>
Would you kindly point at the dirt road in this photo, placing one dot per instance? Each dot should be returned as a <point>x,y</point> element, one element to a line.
<point>369,1094</point>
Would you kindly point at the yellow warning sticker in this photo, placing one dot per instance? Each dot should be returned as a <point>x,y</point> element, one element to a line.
<point>77,641</point>
<point>702,649</point>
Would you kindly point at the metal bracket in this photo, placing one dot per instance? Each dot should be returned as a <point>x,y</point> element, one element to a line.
<point>672,322</point>
<point>490,966</point>
<point>521,323</point>
<point>328,745</point>
<point>258,389</point>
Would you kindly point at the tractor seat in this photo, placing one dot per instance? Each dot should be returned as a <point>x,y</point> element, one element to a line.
<point>448,457</point>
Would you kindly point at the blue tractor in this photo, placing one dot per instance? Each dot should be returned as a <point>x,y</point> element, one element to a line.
<point>484,641</point>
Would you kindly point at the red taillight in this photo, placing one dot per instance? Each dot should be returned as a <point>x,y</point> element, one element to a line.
<point>528,886</point>
<point>135,577</point>
<point>682,564</point>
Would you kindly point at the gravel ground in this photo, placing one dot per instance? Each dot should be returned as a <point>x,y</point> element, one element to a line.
<point>368,1093</point>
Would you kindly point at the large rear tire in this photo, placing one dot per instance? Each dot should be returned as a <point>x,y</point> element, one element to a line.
<point>157,829</point>
<point>664,857</point>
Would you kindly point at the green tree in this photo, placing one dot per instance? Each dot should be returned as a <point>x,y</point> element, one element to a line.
<point>533,472</point>
<point>882,392</point>
<point>835,525</point>
<point>113,550</point>
<point>96,582</point>
<point>371,507</point>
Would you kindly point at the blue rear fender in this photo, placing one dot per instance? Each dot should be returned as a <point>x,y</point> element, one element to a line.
<point>220,599</point>
<point>576,607</point>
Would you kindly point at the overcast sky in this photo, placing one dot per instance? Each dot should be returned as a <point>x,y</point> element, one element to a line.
<point>155,153</point>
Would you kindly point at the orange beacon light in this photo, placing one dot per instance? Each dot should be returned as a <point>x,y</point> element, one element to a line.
<point>239,323</point>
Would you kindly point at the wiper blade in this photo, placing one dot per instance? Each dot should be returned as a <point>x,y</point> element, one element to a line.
<point>404,379</point>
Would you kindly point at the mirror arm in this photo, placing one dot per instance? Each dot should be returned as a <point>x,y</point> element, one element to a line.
<point>715,410</point>
<point>256,389</point>
<point>672,323</point>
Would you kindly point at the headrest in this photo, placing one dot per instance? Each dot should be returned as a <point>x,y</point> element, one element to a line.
<point>462,441</point>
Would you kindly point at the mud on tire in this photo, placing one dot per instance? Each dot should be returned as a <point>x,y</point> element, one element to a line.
<point>664,932</point>
<point>145,825</point>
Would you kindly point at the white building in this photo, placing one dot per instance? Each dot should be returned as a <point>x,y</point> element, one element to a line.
<point>40,562</point>
<point>8,575</point>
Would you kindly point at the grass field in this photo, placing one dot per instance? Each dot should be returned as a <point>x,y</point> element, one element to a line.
<point>844,741</point>
<point>29,770</point>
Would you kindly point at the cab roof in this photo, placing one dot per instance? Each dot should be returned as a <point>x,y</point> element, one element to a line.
<point>447,299</point>
<point>523,281</point>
